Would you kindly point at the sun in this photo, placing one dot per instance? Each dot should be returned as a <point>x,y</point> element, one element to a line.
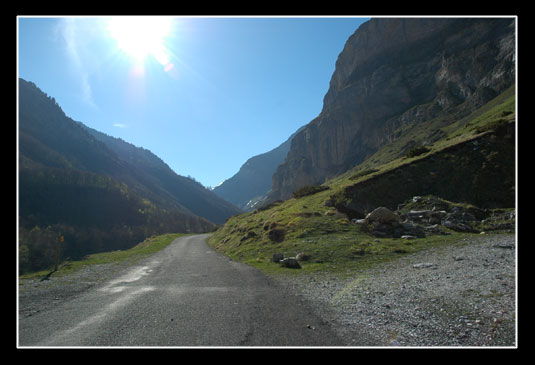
<point>141,36</point>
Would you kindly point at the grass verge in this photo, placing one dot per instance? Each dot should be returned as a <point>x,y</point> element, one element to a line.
<point>144,249</point>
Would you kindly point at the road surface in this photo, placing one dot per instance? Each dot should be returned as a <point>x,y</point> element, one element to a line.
<point>184,295</point>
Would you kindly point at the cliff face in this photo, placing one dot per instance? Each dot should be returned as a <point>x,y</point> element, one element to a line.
<point>391,73</point>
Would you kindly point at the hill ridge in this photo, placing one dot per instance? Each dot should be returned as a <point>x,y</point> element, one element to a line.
<point>73,183</point>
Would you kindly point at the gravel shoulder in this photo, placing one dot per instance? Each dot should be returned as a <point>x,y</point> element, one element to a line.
<point>459,295</point>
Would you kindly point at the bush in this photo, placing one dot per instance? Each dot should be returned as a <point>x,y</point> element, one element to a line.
<point>363,173</point>
<point>416,151</point>
<point>309,190</point>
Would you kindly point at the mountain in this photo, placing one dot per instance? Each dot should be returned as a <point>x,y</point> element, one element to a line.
<point>100,192</point>
<point>392,75</point>
<point>415,148</point>
<point>464,181</point>
<point>163,185</point>
<point>250,186</point>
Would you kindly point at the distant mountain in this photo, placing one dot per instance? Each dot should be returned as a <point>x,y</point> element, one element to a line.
<point>250,186</point>
<point>100,192</point>
<point>395,74</point>
<point>163,185</point>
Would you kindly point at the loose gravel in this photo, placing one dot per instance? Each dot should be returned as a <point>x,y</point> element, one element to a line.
<point>459,295</point>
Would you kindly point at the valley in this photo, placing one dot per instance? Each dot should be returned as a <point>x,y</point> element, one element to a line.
<point>101,193</point>
<point>390,219</point>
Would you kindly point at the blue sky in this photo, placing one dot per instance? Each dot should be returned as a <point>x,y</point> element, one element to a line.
<point>219,91</point>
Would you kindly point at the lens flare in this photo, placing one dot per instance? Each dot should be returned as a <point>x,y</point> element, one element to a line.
<point>142,36</point>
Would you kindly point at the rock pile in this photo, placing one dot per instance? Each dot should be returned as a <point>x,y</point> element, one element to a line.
<point>432,212</point>
<point>382,222</point>
<point>423,215</point>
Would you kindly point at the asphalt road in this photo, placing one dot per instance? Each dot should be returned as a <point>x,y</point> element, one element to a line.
<point>184,295</point>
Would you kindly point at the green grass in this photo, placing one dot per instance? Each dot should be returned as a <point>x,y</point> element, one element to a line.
<point>333,243</point>
<point>144,249</point>
<point>308,190</point>
<point>326,235</point>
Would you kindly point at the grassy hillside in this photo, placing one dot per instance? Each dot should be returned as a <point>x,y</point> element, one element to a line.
<point>318,226</point>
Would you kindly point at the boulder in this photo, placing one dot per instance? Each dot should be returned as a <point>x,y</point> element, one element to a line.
<point>382,215</point>
<point>382,222</point>
<point>412,230</point>
<point>290,262</point>
<point>460,226</point>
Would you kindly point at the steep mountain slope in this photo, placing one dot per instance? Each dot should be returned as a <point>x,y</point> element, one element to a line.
<point>164,185</point>
<point>251,185</point>
<point>418,128</point>
<point>468,173</point>
<point>100,195</point>
<point>392,74</point>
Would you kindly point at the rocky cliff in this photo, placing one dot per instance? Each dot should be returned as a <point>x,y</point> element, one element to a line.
<point>395,72</point>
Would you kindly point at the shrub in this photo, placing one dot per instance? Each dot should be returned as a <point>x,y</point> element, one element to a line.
<point>416,151</point>
<point>363,173</point>
<point>309,190</point>
<point>492,126</point>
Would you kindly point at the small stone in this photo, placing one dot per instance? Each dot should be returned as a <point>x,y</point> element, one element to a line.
<point>423,265</point>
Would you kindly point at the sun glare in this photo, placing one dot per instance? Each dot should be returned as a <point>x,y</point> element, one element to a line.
<point>142,36</point>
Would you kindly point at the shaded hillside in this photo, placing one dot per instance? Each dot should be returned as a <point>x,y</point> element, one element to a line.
<point>250,186</point>
<point>395,73</point>
<point>72,183</point>
<point>163,185</point>
<point>479,171</point>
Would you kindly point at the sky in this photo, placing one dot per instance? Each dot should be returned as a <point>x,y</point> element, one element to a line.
<point>202,93</point>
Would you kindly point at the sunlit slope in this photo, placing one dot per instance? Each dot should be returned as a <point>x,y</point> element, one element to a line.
<point>481,146</point>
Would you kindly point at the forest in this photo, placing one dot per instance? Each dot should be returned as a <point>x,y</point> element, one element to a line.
<point>73,184</point>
